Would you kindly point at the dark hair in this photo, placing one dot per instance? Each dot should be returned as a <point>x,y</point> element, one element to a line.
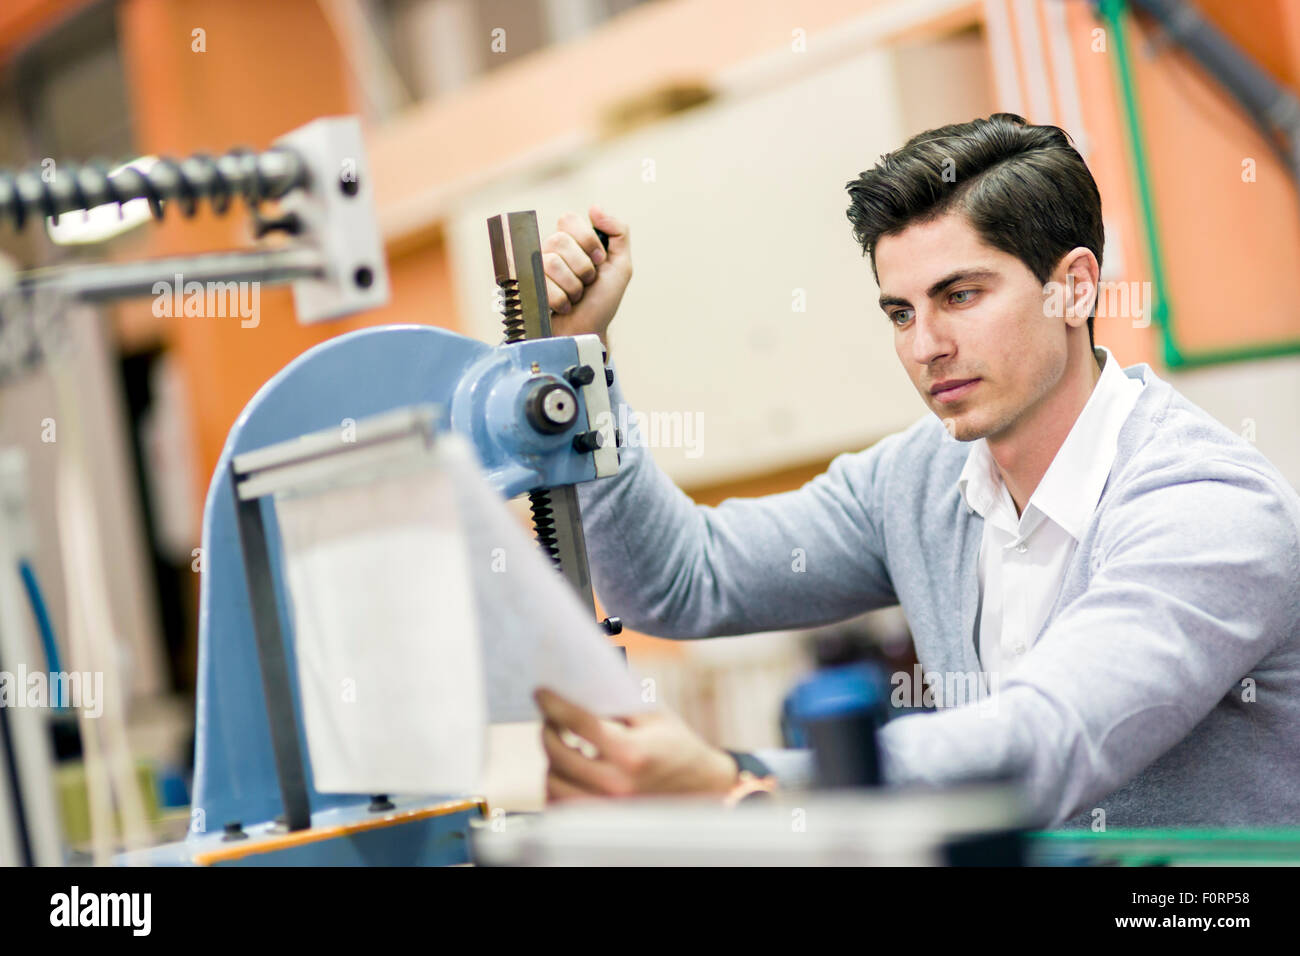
<point>1025,189</point>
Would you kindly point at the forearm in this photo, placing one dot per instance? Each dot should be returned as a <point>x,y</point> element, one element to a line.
<point>672,568</point>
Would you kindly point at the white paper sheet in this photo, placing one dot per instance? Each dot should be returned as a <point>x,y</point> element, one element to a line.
<point>536,632</point>
<point>422,609</point>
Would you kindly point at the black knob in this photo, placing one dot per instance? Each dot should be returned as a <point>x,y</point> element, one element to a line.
<point>379,803</point>
<point>618,438</point>
<point>609,376</point>
<point>587,441</point>
<point>612,625</point>
<point>580,375</point>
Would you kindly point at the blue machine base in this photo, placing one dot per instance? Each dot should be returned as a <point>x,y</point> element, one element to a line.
<point>414,833</point>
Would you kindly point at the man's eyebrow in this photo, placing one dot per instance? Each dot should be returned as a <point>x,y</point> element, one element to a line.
<point>952,278</point>
<point>961,275</point>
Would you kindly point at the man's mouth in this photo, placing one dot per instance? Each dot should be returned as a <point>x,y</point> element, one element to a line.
<point>950,390</point>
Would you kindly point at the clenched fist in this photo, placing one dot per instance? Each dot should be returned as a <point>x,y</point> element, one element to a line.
<point>584,283</point>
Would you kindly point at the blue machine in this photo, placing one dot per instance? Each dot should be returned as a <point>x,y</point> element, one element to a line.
<point>537,412</point>
<point>489,395</point>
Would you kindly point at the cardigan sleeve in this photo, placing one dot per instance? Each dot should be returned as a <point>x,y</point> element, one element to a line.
<point>672,568</point>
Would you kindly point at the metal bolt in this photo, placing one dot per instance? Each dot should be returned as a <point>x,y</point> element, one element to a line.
<point>579,375</point>
<point>587,441</point>
<point>234,831</point>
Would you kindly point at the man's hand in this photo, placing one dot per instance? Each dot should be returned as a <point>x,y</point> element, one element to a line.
<point>647,753</point>
<point>584,284</point>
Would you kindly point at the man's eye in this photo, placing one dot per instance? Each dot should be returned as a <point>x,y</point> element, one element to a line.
<point>900,317</point>
<point>970,293</point>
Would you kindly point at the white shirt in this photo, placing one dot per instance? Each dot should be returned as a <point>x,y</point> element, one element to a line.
<point>1023,559</point>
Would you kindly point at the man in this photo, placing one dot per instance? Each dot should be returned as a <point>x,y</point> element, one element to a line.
<point>1118,570</point>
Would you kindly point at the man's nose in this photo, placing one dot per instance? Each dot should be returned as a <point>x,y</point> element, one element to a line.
<point>930,339</point>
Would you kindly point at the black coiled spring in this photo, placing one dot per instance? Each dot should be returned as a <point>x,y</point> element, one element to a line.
<point>544,524</point>
<point>512,310</point>
<point>254,177</point>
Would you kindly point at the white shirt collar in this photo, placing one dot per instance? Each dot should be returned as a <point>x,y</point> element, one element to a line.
<point>1072,486</point>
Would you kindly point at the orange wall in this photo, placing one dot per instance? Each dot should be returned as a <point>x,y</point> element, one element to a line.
<point>1230,247</point>
<point>1223,240</point>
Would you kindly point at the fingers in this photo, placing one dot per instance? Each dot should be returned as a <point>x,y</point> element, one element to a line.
<point>556,710</point>
<point>562,247</point>
<point>583,236</point>
<point>563,287</point>
<point>557,298</point>
<point>617,230</point>
<point>569,259</point>
<point>591,775</point>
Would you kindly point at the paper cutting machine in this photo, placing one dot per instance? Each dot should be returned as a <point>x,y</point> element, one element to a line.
<point>531,409</point>
<point>535,410</point>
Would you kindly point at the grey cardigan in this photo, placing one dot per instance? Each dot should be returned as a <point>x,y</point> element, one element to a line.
<point>1164,688</point>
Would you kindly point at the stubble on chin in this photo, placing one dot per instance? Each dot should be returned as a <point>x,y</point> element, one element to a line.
<point>975,423</point>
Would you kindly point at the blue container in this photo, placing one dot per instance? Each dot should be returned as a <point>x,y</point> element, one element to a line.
<point>836,712</point>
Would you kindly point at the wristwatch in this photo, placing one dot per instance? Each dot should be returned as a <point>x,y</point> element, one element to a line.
<point>755,780</point>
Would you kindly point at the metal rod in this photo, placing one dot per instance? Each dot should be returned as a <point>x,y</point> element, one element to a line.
<point>106,281</point>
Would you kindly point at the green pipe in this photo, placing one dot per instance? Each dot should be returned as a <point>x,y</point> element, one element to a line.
<point>1174,356</point>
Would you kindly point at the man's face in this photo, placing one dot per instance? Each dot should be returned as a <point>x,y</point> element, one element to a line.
<point>963,310</point>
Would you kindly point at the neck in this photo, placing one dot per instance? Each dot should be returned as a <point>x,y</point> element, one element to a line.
<point>1024,452</point>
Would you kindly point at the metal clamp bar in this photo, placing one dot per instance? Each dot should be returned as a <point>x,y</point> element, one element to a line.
<point>277,691</point>
<point>517,262</point>
<point>322,456</point>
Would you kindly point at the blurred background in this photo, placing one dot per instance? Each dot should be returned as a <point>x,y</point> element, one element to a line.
<point>724,132</point>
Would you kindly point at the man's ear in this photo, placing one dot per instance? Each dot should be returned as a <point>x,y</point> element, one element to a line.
<point>1081,272</point>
